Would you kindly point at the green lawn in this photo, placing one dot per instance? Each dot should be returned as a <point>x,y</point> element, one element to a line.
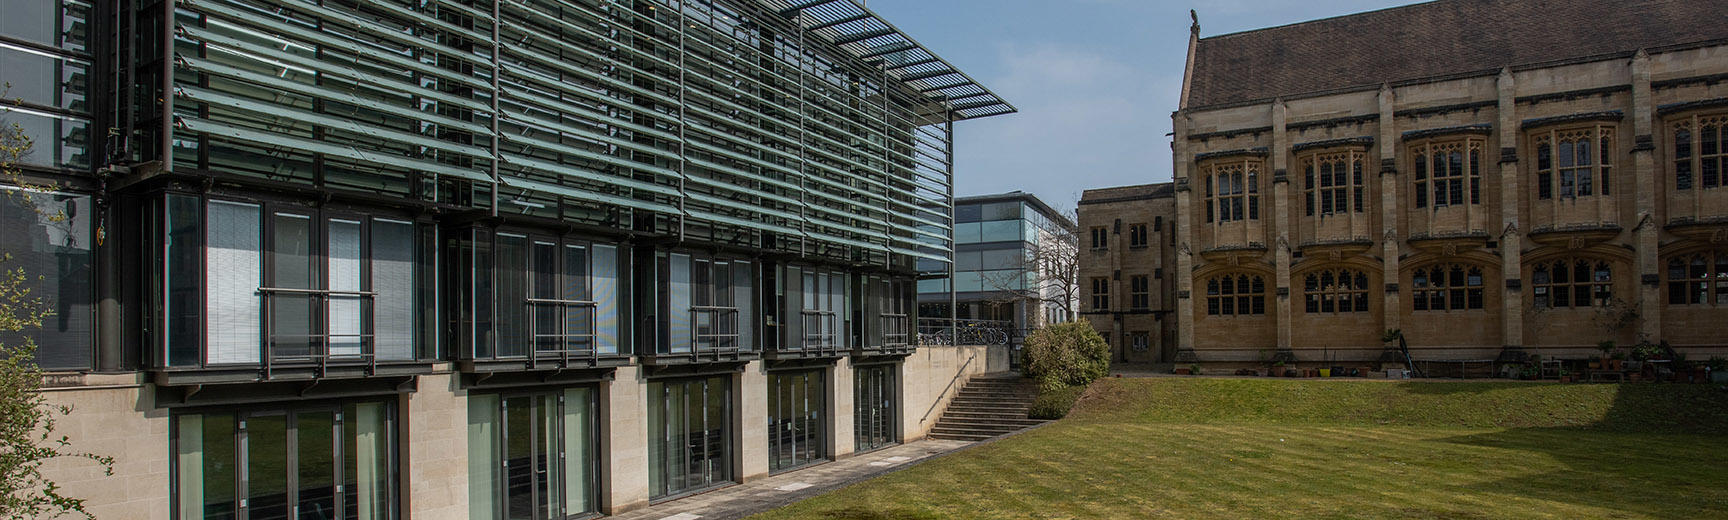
<point>1245,448</point>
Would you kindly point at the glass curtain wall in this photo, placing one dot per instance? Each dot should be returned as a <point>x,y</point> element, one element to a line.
<point>709,304</point>
<point>874,393</point>
<point>820,295</point>
<point>523,294</point>
<point>325,462</point>
<point>245,280</point>
<point>797,426</point>
<point>689,435</point>
<point>47,235</point>
<point>531,456</point>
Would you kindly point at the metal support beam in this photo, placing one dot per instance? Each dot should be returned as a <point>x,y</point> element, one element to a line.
<point>931,74</point>
<point>891,50</point>
<point>858,37</point>
<point>842,21</point>
<point>915,63</point>
<point>942,87</point>
<point>794,10</point>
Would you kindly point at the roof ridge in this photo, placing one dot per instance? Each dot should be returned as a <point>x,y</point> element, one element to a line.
<point>1425,3</point>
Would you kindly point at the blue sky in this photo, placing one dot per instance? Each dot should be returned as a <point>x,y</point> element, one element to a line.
<point>1095,81</point>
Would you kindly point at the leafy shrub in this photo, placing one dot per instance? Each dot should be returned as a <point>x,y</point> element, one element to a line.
<point>1067,354</point>
<point>1054,404</point>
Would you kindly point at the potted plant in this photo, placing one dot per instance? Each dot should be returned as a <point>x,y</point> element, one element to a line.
<point>1618,360</point>
<point>1565,376</point>
<point>1718,368</point>
<point>1182,371</point>
<point>1277,369</point>
<point>1194,369</point>
<point>1607,349</point>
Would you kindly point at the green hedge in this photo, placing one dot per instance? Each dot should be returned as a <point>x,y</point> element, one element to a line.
<point>1054,404</point>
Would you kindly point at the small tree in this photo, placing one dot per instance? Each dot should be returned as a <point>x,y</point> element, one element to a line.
<point>1049,273</point>
<point>1066,354</point>
<point>27,439</point>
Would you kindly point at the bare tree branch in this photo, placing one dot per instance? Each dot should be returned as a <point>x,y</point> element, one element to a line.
<point>1048,275</point>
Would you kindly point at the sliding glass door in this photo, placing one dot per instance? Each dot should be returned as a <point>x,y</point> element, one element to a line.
<point>689,434</point>
<point>874,410</point>
<point>324,462</point>
<point>531,455</point>
<point>797,428</point>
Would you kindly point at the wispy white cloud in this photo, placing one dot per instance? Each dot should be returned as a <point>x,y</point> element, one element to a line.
<point>1087,120</point>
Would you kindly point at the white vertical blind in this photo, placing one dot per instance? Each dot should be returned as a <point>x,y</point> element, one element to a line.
<point>233,271</point>
<point>605,286</point>
<point>743,295</point>
<point>343,312</point>
<point>678,308</point>
<point>393,282</point>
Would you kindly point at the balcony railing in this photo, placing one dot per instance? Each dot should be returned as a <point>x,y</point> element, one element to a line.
<point>896,331</point>
<point>558,347</point>
<point>317,346</point>
<point>713,328</point>
<point>821,330</point>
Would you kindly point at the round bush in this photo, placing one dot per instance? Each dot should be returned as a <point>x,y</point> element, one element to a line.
<point>1067,354</point>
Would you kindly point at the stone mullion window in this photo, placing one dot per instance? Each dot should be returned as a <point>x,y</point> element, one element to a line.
<point>1332,183</point>
<point>1447,173</point>
<point>1699,279</point>
<point>1574,163</point>
<point>1236,295</point>
<point>1447,287</point>
<point>1100,294</point>
<point>1701,152</point>
<point>1572,282</point>
<point>1232,191</point>
<point>1335,291</point>
<point>1140,292</point>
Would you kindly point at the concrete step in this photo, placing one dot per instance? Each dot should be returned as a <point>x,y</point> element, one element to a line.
<point>960,436</point>
<point>983,415</point>
<point>989,406</point>
<point>973,401</point>
<point>1012,396</point>
<point>1013,424</point>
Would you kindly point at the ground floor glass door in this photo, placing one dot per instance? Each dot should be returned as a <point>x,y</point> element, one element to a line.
<point>317,462</point>
<point>689,434</point>
<point>797,428</point>
<point>873,408</point>
<point>531,455</point>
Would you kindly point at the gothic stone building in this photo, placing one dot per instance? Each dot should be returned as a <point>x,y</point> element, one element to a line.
<point>1125,238</point>
<point>1488,176</point>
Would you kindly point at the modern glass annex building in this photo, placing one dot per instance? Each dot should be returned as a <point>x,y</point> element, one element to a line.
<point>314,229</point>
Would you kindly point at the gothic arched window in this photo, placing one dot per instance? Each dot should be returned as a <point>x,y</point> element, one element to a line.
<point>1236,294</point>
<point>1335,290</point>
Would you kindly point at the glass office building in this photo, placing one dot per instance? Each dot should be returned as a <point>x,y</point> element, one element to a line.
<point>283,216</point>
<point>994,236</point>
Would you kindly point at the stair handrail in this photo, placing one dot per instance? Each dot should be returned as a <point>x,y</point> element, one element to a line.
<point>958,373</point>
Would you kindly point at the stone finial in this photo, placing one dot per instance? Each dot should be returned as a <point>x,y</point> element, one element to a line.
<point>1195,16</point>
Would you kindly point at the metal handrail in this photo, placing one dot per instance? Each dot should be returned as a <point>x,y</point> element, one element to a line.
<point>315,341</point>
<point>896,330</point>
<point>719,313</point>
<point>319,292</point>
<point>812,320</point>
<point>562,355</point>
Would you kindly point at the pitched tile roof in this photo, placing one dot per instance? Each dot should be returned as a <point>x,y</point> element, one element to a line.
<point>1435,39</point>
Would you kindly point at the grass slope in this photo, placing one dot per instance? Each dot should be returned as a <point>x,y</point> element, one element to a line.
<point>1245,448</point>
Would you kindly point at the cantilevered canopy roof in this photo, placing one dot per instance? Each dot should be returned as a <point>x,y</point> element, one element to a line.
<point>859,31</point>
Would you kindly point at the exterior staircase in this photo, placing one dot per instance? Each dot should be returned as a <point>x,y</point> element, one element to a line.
<point>989,405</point>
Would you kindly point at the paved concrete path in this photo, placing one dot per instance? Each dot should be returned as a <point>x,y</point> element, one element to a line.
<point>768,493</point>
